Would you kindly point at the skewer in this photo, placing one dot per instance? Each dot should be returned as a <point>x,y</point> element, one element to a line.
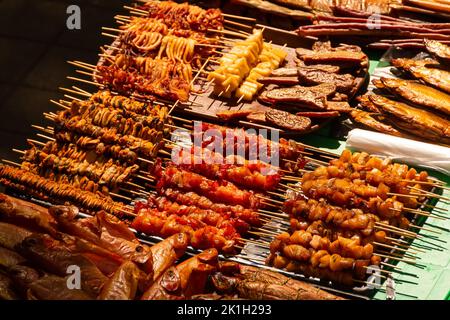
<point>36,142</point>
<point>11,163</point>
<point>19,151</point>
<point>236,34</point>
<point>238,17</point>
<point>395,228</point>
<point>269,199</point>
<point>242,25</point>
<point>390,247</point>
<point>276,214</point>
<point>144,178</point>
<point>423,228</point>
<point>390,266</point>
<point>424,213</point>
<point>426,183</point>
<point>396,232</point>
<point>429,194</point>
<point>42,129</point>
<point>73,91</point>
<point>396,259</point>
<point>86,81</point>
<point>59,104</point>
<point>45,137</point>
<point>277,194</point>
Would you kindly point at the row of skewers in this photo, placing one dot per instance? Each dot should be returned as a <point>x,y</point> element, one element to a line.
<point>418,106</point>
<point>348,217</point>
<point>40,247</point>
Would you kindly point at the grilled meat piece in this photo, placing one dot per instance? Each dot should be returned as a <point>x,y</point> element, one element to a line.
<point>366,119</point>
<point>339,106</point>
<point>288,120</point>
<point>284,72</point>
<point>421,122</point>
<point>259,116</point>
<point>310,97</point>
<point>9,258</point>
<point>337,57</point>
<point>230,115</point>
<point>418,94</point>
<point>321,114</point>
<point>343,82</point>
<point>439,50</point>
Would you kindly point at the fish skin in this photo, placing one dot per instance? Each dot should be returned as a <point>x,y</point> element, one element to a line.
<point>418,94</point>
<point>421,121</point>
<point>438,50</point>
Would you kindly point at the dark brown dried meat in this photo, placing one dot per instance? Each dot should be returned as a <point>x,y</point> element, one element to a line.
<point>288,120</point>
<point>343,82</point>
<point>283,81</point>
<point>313,97</point>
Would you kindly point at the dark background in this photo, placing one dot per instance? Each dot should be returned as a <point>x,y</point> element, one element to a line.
<point>34,47</point>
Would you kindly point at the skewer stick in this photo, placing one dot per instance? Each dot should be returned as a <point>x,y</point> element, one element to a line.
<point>36,142</point>
<point>73,91</point>
<point>144,178</point>
<point>396,259</point>
<point>238,17</point>
<point>428,194</point>
<point>395,228</point>
<point>236,34</point>
<point>390,247</point>
<point>59,104</point>
<point>242,25</point>
<point>19,151</point>
<point>269,199</point>
<point>396,232</point>
<point>11,163</point>
<point>45,137</point>
<point>42,129</point>
<point>276,214</point>
<point>85,81</point>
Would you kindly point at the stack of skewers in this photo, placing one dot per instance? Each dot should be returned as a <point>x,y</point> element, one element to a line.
<point>349,216</point>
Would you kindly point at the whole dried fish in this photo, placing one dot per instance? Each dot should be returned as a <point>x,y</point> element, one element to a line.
<point>439,50</point>
<point>418,94</point>
<point>288,120</point>
<point>420,70</point>
<point>420,122</point>
<point>366,119</point>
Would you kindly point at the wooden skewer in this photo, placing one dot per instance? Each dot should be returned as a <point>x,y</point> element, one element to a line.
<point>85,81</point>
<point>19,151</point>
<point>75,92</point>
<point>396,232</point>
<point>144,178</point>
<point>424,228</point>
<point>269,199</point>
<point>238,17</point>
<point>36,142</point>
<point>277,194</point>
<point>390,265</point>
<point>428,194</point>
<point>59,104</point>
<point>395,228</point>
<point>424,213</point>
<point>242,25</point>
<point>45,137</point>
<point>42,129</point>
<point>396,259</point>
<point>11,163</point>
<point>390,247</point>
<point>236,34</point>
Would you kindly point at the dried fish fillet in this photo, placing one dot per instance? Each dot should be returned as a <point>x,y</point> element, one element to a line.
<point>418,94</point>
